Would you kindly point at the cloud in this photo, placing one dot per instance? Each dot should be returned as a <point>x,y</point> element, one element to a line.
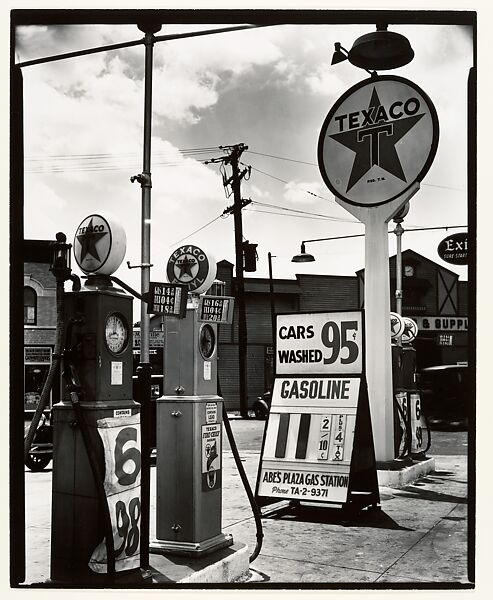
<point>300,192</point>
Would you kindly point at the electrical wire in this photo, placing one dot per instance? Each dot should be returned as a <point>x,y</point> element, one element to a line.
<point>280,214</point>
<point>303,212</point>
<point>287,183</point>
<point>197,230</point>
<point>302,162</point>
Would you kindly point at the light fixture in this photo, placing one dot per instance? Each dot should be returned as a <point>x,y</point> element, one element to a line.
<point>303,257</point>
<point>381,50</point>
<point>339,55</point>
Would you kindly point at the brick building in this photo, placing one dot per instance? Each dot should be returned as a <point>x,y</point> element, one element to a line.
<point>39,320</point>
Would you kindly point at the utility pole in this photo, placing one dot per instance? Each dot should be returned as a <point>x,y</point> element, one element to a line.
<point>235,181</point>
<point>240,282</point>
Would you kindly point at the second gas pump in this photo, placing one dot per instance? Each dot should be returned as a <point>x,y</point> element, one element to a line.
<point>189,415</point>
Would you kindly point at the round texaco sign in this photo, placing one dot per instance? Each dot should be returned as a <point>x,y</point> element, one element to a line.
<point>99,245</point>
<point>191,266</point>
<point>378,139</point>
<point>410,331</point>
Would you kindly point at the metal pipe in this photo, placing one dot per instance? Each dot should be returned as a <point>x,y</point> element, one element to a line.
<point>162,38</point>
<point>271,297</point>
<point>399,230</point>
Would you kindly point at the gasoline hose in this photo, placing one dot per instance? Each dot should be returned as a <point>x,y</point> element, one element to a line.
<point>239,465</point>
<point>74,389</point>
<point>52,372</point>
<point>246,484</point>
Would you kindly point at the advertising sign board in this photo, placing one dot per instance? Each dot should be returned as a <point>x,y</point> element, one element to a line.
<point>193,267</point>
<point>453,249</point>
<point>100,243</point>
<point>319,424</point>
<point>216,309</point>
<point>319,343</point>
<point>169,299</point>
<point>377,140</point>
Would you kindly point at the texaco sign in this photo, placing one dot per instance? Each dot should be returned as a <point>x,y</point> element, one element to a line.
<point>378,139</point>
<point>99,245</point>
<point>191,266</point>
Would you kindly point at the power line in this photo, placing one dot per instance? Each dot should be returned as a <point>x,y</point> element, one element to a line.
<point>302,162</point>
<point>287,182</point>
<point>271,212</point>
<point>186,152</point>
<point>304,212</point>
<point>197,230</point>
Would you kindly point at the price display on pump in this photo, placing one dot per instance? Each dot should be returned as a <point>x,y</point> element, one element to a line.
<point>319,343</point>
<point>122,455</point>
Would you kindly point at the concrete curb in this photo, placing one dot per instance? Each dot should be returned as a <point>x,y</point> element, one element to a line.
<point>401,477</point>
<point>226,570</point>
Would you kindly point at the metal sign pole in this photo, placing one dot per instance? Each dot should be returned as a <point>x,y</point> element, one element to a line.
<point>144,369</point>
<point>377,321</point>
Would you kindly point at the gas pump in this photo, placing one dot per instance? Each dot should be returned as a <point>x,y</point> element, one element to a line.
<point>417,420</point>
<point>96,463</point>
<point>189,416</point>
<point>412,426</point>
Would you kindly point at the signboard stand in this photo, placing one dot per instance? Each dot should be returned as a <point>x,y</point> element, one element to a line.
<point>318,442</point>
<point>363,480</point>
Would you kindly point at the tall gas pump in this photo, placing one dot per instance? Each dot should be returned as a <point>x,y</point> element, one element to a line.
<point>189,416</point>
<point>97,459</point>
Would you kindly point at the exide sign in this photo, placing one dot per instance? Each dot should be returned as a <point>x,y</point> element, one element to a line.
<point>453,249</point>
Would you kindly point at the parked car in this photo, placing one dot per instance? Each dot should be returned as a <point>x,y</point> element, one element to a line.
<point>445,395</point>
<point>41,451</point>
<point>261,406</point>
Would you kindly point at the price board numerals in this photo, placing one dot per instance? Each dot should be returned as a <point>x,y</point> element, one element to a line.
<point>323,441</point>
<point>341,341</point>
<point>127,508</point>
<point>337,449</point>
<point>127,526</point>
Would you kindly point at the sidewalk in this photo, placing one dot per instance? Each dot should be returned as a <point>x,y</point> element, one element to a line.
<point>419,536</point>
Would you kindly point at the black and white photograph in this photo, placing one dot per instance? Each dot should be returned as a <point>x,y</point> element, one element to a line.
<point>246,242</point>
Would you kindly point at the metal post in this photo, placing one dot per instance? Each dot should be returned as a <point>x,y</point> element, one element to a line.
<point>16,422</point>
<point>271,296</point>
<point>399,230</point>
<point>144,368</point>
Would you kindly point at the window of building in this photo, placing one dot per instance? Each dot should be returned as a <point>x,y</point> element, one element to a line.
<point>30,306</point>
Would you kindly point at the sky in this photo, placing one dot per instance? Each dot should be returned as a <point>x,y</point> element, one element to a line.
<point>269,88</point>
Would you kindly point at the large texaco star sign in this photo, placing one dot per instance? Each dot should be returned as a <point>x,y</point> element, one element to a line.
<point>379,138</point>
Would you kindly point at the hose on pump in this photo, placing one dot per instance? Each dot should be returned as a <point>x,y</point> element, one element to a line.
<point>52,372</point>
<point>246,484</point>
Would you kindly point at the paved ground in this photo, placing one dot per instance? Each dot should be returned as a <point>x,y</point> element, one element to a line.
<point>418,538</point>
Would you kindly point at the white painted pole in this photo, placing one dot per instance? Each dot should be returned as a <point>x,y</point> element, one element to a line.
<point>377,319</point>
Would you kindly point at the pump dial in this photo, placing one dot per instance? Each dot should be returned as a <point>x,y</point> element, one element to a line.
<point>207,341</point>
<point>116,333</point>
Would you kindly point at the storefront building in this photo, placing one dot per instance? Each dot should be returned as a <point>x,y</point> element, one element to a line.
<point>39,322</point>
